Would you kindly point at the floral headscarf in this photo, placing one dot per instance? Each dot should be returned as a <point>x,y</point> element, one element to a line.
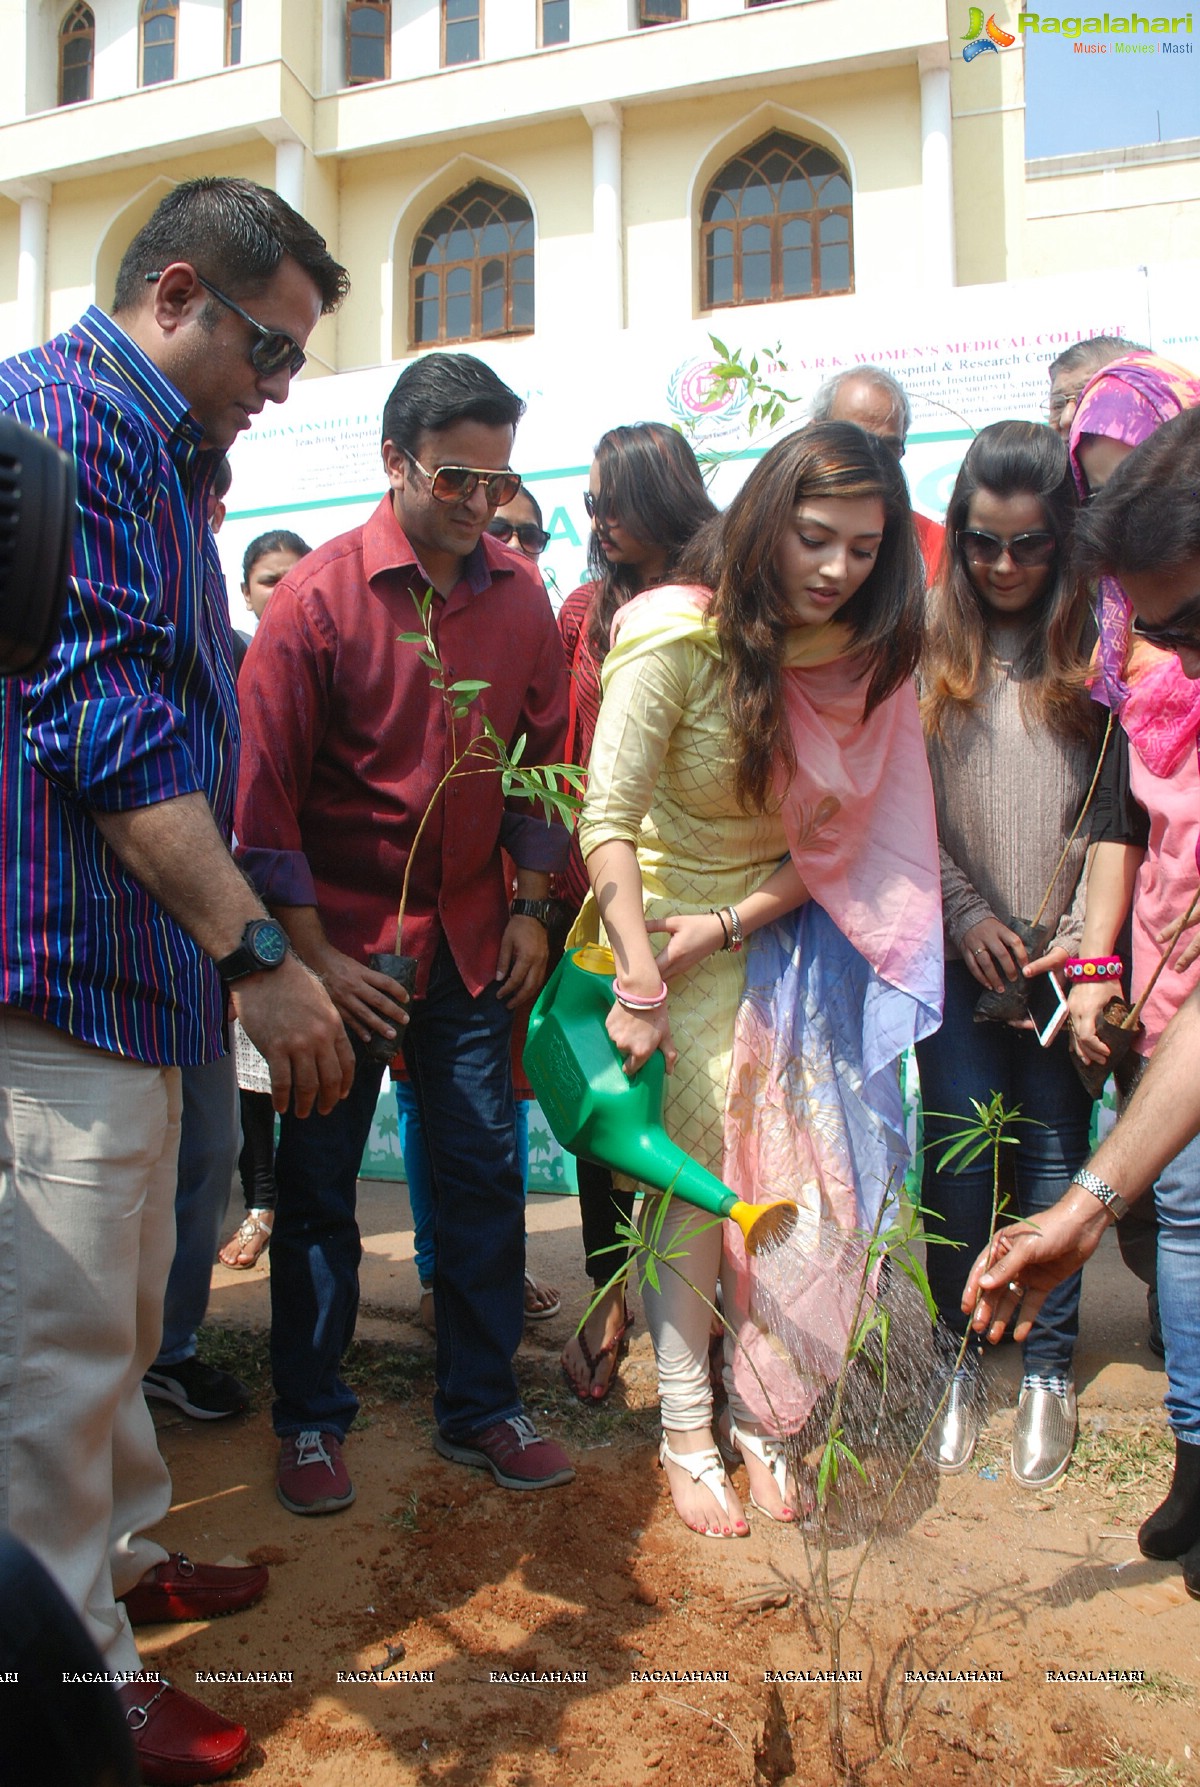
<point>1126,401</point>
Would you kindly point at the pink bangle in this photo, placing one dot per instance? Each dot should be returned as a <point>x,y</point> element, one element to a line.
<point>1093,968</point>
<point>635,1001</point>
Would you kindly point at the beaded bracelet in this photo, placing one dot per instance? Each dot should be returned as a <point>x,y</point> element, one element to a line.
<point>635,1001</point>
<point>1093,968</point>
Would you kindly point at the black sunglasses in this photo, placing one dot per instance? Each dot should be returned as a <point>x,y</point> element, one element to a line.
<point>1180,633</point>
<point>458,483</point>
<point>530,535</point>
<point>1023,549</point>
<point>591,504</point>
<point>272,351</point>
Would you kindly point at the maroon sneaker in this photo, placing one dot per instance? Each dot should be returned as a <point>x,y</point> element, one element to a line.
<point>178,1740</point>
<point>514,1452</point>
<point>179,1589</point>
<point>311,1476</point>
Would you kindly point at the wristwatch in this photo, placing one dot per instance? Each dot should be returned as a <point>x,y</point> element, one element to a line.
<point>539,909</point>
<point>264,945</point>
<point>1099,1188</point>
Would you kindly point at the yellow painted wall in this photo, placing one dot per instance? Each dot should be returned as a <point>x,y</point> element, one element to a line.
<point>1113,217</point>
<point>10,220</point>
<point>386,198</point>
<point>672,152</point>
<point>93,221</point>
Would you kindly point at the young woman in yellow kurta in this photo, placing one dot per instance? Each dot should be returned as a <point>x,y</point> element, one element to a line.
<point>698,787</point>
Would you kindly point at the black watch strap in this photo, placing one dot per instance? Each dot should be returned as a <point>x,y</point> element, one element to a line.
<point>264,945</point>
<point>539,909</point>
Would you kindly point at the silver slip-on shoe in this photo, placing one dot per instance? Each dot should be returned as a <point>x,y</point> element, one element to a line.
<point>953,1439</point>
<point>1045,1431</point>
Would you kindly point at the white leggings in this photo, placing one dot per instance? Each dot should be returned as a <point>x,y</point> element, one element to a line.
<point>680,1321</point>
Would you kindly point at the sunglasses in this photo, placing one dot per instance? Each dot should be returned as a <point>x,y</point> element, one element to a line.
<point>272,351</point>
<point>458,483</point>
<point>1180,633</point>
<point>592,505</point>
<point>1023,549</point>
<point>530,535</point>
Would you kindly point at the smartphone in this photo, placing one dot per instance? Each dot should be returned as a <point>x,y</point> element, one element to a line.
<point>1047,1007</point>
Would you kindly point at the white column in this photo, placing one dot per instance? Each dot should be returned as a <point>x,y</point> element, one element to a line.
<point>289,173</point>
<point>937,173</point>
<point>608,273</point>
<point>34,196</point>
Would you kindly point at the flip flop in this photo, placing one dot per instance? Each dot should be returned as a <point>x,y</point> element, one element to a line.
<point>612,1349</point>
<point>534,1310</point>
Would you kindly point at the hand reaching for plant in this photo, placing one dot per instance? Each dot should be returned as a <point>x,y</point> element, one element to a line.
<point>1190,951</point>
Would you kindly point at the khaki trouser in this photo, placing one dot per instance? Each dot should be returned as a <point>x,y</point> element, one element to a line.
<point>88,1147</point>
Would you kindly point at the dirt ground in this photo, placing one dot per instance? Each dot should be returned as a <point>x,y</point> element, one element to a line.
<point>646,1650</point>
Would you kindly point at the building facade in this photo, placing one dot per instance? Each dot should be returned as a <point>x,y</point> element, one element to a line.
<point>554,170</point>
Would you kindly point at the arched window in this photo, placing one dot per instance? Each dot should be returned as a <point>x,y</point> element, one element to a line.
<point>472,268</point>
<point>233,33</point>
<point>160,25</point>
<point>368,41</point>
<point>777,223</point>
<point>76,55</point>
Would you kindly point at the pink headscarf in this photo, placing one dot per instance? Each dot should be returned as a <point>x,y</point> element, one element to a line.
<point>1127,401</point>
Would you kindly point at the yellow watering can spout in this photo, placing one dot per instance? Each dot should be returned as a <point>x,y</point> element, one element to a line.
<point>764,1225</point>
<point>595,1109</point>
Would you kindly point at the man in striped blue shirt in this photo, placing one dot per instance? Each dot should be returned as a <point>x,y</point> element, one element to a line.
<point>122,912</point>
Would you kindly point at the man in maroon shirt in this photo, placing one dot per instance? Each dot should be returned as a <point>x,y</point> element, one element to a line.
<point>344,742</point>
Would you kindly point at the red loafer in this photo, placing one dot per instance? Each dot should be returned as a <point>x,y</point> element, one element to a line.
<point>179,1589</point>
<point>177,1739</point>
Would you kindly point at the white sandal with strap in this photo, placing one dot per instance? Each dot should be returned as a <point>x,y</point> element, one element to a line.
<point>706,1468</point>
<point>254,1234</point>
<point>773,1454</point>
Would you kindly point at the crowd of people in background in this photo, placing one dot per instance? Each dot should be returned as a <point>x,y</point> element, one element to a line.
<point>856,784</point>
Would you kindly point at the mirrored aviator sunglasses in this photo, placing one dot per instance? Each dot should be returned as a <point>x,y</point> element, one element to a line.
<point>1023,549</point>
<point>458,483</point>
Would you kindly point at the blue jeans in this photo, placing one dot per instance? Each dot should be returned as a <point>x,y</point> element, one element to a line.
<point>967,1060</point>
<point>315,1251</point>
<point>1177,1200</point>
<point>208,1150</point>
<point>456,1051</point>
<point>418,1172</point>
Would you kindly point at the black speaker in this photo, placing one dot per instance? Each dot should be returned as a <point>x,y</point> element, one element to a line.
<point>37,520</point>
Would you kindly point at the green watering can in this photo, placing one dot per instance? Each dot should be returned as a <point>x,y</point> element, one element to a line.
<point>597,1110</point>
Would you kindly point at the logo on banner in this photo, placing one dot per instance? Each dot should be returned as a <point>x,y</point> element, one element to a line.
<point>690,395</point>
<point>980,37</point>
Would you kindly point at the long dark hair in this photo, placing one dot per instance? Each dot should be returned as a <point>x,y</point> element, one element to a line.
<point>1010,459</point>
<point>753,616</point>
<point>651,484</point>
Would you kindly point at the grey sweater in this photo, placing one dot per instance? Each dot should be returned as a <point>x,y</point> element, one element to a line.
<point>1007,797</point>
